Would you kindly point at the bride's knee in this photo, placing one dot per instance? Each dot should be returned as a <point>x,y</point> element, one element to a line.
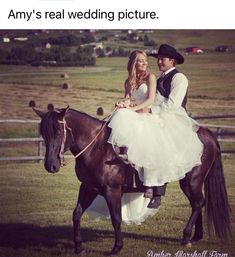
<point>123,113</point>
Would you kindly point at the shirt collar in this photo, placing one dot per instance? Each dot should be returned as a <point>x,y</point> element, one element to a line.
<point>166,72</point>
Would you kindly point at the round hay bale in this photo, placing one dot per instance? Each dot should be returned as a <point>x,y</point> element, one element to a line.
<point>64,75</point>
<point>50,107</point>
<point>32,103</point>
<point>66,85</point>
<point>100,111</point>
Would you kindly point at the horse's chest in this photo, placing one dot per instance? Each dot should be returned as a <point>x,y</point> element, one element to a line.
<point>86,174</point>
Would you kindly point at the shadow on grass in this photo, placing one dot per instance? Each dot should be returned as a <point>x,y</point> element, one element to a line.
<point>20,235</point>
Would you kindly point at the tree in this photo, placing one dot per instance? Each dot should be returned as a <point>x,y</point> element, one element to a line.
<point>3,54</point>
<point>84,56</point>
<point>60,54</point>
<point>24,54</point>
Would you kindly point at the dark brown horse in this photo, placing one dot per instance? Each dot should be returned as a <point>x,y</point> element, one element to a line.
<point>100,172</point>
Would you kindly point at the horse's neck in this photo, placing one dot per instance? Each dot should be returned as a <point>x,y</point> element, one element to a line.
<point>84,128</point>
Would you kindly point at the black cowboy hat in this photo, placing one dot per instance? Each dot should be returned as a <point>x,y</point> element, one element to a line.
<point>168,51</point>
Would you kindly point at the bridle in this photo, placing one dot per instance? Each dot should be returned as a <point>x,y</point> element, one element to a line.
<point>62,147</point>
<point>66,127</point>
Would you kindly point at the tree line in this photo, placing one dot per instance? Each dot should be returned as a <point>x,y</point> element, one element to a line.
<point>64,50</point>
<point>58,56</point>
<point>59,52</point>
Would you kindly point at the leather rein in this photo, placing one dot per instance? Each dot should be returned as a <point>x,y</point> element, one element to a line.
<point>66,127</point>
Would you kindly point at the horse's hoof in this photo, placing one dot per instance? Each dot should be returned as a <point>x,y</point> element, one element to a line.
<point>189,244</point>
<point>195,239</point>
<point>186,243</point>
<point>80,252</point>
<point>115,251</point>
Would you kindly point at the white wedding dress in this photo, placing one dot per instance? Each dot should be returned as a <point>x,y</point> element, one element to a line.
<point>164,144</point>
<point>134,208</point>
<point>162,147</point>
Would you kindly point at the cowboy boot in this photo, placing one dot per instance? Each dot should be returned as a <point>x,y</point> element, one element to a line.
<point>155,201</point>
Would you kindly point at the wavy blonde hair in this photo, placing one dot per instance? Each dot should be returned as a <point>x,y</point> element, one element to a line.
<point>134,80</point>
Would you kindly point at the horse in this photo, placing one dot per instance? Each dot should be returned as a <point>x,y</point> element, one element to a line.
<point>102,173</point>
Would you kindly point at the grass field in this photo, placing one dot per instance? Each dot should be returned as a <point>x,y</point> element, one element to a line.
<point>36,207</point>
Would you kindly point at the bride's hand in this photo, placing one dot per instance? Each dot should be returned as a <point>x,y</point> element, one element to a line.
<point>133,105</point>
<point>127,103</point>
<point>123,104</point>
<point>119,104</point>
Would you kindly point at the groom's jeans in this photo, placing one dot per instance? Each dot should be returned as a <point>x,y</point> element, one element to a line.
<point>159,190</point>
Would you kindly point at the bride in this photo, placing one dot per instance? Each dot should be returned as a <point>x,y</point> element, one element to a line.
<point>161,145</point>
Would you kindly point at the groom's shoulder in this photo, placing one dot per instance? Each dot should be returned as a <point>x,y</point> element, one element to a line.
<point>180,76</point>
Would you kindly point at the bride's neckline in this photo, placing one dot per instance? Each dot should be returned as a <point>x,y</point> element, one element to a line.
<point>143,84</point>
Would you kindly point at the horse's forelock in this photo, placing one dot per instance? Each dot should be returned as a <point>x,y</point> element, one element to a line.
<point>49,127</point>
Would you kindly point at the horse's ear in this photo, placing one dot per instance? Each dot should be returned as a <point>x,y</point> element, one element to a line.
<point>63,112</point>
<point>38,112</point>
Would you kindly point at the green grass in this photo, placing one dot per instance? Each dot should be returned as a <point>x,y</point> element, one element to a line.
<point>19,130</point>
<point>206,39</point>
<point>36,213</point>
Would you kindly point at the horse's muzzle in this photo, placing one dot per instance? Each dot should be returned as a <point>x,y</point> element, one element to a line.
<point>52,168</point>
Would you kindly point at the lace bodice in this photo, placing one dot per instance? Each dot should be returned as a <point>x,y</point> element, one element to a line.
<point>140,95</point>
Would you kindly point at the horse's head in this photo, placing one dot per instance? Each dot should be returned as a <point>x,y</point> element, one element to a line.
<point>53,131</point>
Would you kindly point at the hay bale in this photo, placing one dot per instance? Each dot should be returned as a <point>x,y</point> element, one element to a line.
<point>64,75</point>
<point>100,111</point>
<point>50,107</point>
<point>66,85</point>
<point>32,103</point>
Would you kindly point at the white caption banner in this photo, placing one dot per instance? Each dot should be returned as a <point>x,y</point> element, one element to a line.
<point>103,14</point>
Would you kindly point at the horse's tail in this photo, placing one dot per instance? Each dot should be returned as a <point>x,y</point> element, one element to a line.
<point>217,206</point>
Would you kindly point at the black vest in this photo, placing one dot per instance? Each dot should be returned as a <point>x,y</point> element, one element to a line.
<point>164,86</point>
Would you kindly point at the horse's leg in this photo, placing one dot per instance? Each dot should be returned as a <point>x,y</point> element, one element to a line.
<point>198,233</point>
<point>113,198</point>
<point>187,232</point>
<point>85,198</point>
<point>193,190</point>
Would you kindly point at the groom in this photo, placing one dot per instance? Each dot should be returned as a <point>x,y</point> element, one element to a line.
<point>171,93</point>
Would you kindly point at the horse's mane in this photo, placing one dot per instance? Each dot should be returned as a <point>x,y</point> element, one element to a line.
<point>49,127</point>
<point>85,115</point>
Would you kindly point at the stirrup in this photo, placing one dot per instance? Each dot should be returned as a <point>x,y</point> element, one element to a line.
<point>155,202</point>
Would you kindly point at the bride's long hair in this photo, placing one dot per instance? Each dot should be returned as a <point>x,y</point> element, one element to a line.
<point>134,80</point>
